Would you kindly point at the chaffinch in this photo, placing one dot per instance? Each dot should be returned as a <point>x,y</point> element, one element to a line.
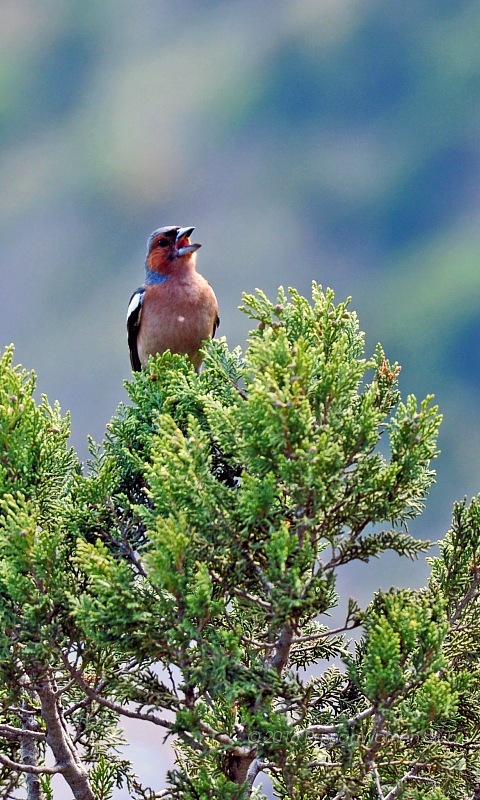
<point>176,308</point>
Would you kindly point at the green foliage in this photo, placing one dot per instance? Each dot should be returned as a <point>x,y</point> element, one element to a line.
<point>34,459</point>
<point>187,580</point>
<point>103,779</point>
<point>404,635</point>
<point>38,579</point>
<point>37,471</point>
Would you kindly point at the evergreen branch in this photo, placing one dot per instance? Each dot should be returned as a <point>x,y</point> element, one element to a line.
<point>29,768</point>
<point>22,711</point>
<point>221,738</point>
<point>239,751</point>
<point>344,556</point>
<point>376,745</point>
<point>469,745</point>
<point>11,732</point>
<point>251,598</point>
<point>126,545</point>
<point>125,712</point>
<point>471,595</point>
<point>314,637</point>
<point>376,777</point>
<point>332,729</point>
<point>110,704</point>
<point>28,748</point>
<point>255,642</point>
<point>62,689</point>
<point>87,701</point>
<point>255,768</point>
<point>283,644</point>
<point>411,775</point>
<point>60,741</point>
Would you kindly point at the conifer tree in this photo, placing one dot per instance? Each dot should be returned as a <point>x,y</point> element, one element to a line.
<point>188,577</point>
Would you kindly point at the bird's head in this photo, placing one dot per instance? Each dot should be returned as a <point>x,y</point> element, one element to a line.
<point>170,247</point>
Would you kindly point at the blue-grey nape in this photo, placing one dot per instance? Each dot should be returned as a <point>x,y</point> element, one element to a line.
<point>154,277</point>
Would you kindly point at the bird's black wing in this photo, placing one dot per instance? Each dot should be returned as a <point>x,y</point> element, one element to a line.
<point>215,325</point>
<point>134,314</point>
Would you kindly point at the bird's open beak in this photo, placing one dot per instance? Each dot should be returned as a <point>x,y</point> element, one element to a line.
<point>185,233</point>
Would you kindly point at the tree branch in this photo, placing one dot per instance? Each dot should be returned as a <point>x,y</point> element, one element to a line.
<point>411,775</point>
<point>11,732</point>
<point>283,644</point>
<point>29,769</point>
<point>125,712</point>
<point>335,728</point>
<point>255,768</point>
<point>472,594</point>
<point>239,750</point>
<point>60,742</point>
<point>28,748</point>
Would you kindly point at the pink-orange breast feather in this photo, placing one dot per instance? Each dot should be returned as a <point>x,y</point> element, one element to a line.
<point>177,315</point>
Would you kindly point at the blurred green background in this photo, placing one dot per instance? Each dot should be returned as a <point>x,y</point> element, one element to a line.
<point>328,139</point>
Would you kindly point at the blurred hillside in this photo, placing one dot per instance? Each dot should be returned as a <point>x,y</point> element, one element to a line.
<point>322,139</point>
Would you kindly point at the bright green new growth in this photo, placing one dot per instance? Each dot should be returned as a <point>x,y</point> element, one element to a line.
<point>187,579</point>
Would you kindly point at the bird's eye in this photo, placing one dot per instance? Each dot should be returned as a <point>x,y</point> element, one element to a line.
<point>162,242</point>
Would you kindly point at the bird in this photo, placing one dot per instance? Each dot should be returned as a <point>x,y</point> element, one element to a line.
<point>176,308</point>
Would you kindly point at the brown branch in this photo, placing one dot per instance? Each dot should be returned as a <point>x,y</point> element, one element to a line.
<point>472,594</point>
<point>29,769</point>
<point>125,712</point>
<point>378,784</point>
<point>312,637</point>
<point>279,658</point>
<point>264,604</point>
<point>238,750</point>
<point>11,732</point>
<point>411,775</point>
<point>335,728</point>
<point>28,747</point>
<point>60,741</point>
<point>255,768</point>
<point>93,694</point>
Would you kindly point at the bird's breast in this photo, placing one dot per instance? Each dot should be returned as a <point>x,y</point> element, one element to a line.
<point>177,315</point>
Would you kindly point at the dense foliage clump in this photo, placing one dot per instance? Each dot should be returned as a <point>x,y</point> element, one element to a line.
<point>187,580</point>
